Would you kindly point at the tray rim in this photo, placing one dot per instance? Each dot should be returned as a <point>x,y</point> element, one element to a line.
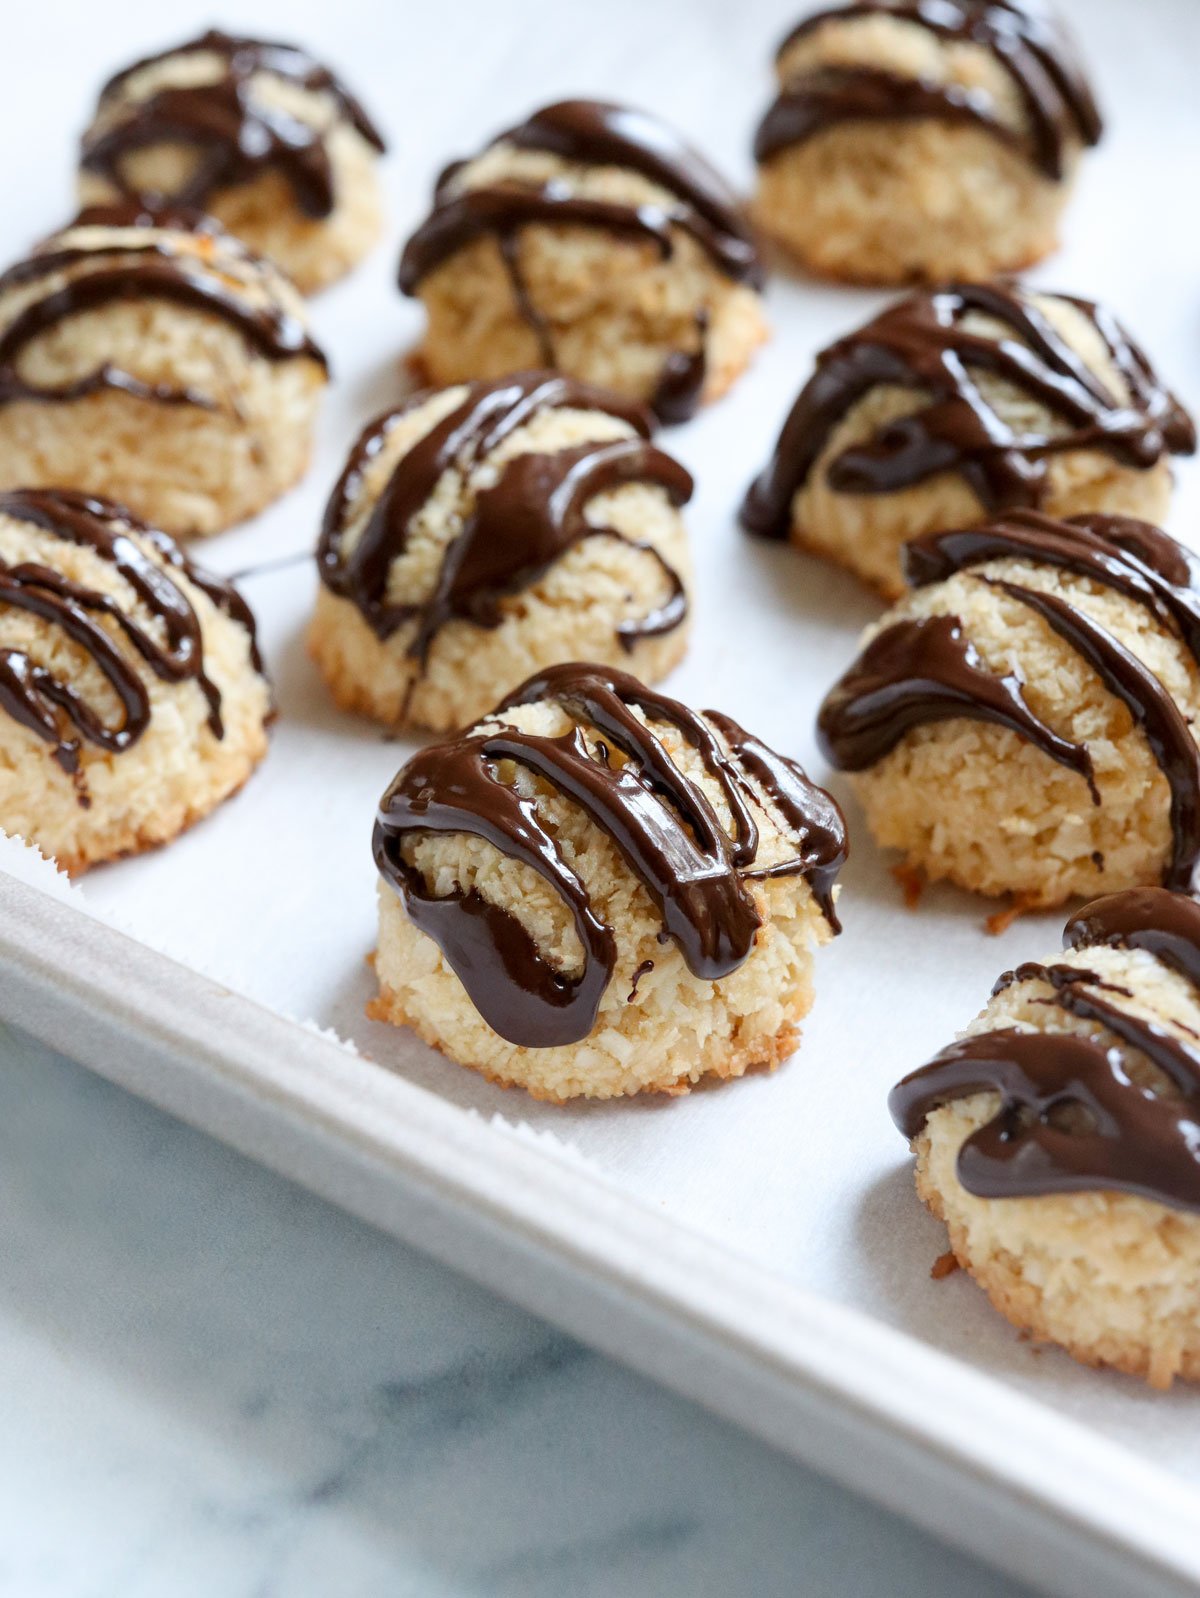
<point>930,1437</point>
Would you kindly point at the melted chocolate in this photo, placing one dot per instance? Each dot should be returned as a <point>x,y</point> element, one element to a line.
<point>595,134</point>
<point>662,823</point>
<point>34,696</point>
<point>517,529</point>
<point>1072,1116</point>
<point>1166,925</point>
<point>865,94</point>
<point>921,343</point>
<point>147,268</point>
<point>1028,41</point>
<point>236,133</point>
<point>918,672</point>
<point>681,384</point>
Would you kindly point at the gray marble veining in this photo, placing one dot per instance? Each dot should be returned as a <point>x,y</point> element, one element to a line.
<point>213,1385</point>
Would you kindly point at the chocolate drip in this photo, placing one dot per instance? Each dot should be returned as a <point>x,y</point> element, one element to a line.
<point>134,269</point>
<point>662,823</point>
<point>1073,1116</point>
<point>811,814</point>
<point>915,672</point>
<point>1028,41</point>
<point>594,134</point>
<point>677,396</point>
<point>1140,1144</point>
<point>517,529</point>
<point>1154,711</point>
<point>33,695</point>
<point>829,95</point>
<point>237,134</point>
<point>533,515</point>
<point>1131,557</point>
<point>1166,925</point>
<point>919,672</point>
<point>922,343</point>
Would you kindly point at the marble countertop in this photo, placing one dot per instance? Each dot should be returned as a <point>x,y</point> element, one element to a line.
<point>214,1383</point>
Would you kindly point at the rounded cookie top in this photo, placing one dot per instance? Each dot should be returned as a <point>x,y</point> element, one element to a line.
<point>113,255</point>
<point>696,830</point>
<point>1008,66</point>
<point>91,602</point>
<point>1079,1110</point>
<point>995,381</point>
<point>214,113</point>
<point>525,512</point>
<point>608,168</point>
<point>921,666</point>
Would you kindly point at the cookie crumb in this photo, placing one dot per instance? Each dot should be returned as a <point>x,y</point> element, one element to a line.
<point>999,923</point>
<point>912,884</point>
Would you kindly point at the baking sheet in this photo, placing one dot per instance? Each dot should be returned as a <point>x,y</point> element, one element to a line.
<point>801,1171</point>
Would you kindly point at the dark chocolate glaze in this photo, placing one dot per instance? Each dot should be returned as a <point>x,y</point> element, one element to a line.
<point>237,134</point>
<point>682,381</point>
<point>921,343</point>
<point>830,95</point>
<point>1166,925</point>
<point>596,134</point>
<point>696,873</point>
<point>1072,1115</point>
<point>517,529</point>
<point>173,648</point>
<point>133,269</point>
<point>919,672</point>
<point>1028,40</point>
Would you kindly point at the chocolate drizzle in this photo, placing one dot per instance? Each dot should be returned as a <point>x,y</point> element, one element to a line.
<point>174,650</point>
<point>917,672</point>
<point>923,343</point>
<point>517,529</point>
<point>235,132</point>
<point>1027,39</point>
<point>594,134</point>
<point>1074,1114</point>
<point>135,268</point>
<point>665,828</point>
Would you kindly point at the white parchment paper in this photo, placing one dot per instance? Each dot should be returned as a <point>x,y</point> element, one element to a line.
<point>275,894</point>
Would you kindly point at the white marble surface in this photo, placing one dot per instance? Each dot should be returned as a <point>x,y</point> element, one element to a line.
<point>213,1385</point>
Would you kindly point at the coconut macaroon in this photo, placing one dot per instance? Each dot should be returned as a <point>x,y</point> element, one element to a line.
<point>591,239</point>
<point>149,357</point>
<point>913,140</point>
<point>956,404</point>
<point>481,533</point>
<point>132,696</point>
<point>1056,1139</point>
<point>258,135</point>
<point>596,891</point>
<point>1024,721</point>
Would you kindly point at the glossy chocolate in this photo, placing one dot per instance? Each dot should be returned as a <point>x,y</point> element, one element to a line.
<point>1073,1115</point>
<point>517,529</point>
<point>923,343</point>
<point>151,267</point>
<point>915,673</point>
<point>696,873</point>
<point>1027,39</point>
<point>236,134</point>
<point>595,134</point>
<point>1166,925</point>
<point>172,647</point>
